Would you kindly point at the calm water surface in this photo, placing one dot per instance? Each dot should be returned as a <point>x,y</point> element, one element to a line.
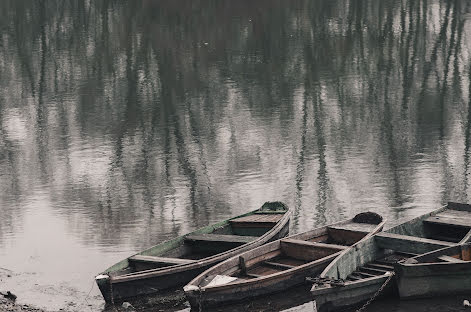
<point>123,124</point>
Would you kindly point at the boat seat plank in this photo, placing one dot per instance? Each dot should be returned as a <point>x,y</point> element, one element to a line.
<point>374,271</point>
<point>220,238</point>
<point>164,260</point>
<point>382,266</point>
<point>279,265</point>
<point>450,259</point>
<point>463,223</point>
<point>407,244</point>
<point>257,220</point>
<point>457,214</point>
<point>363,274</point>
<point>313,244</point>
<point>354,226</point>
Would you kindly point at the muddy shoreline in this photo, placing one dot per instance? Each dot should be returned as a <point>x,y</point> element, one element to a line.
<point>7,305</point>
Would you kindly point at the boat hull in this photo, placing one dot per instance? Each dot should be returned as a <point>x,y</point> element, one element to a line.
<point>269,285</point>
<point>440,279</point>
<point>330,299</point>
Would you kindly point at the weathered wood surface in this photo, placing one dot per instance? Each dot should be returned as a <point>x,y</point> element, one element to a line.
<point>354,226</point>
<point>268,218</point>
<point>405,243</point>
<point>450,259</point>
<point>452,221</point>
<point>220,238</point>
<point>308,251</point>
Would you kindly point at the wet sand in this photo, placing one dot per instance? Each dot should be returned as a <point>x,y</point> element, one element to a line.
<point>7,305</point>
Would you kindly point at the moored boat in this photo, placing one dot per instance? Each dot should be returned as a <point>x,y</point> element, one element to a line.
<point>279,265</point>
<point>358,274</point>
<point>443,272</point>
<point>174,263</point>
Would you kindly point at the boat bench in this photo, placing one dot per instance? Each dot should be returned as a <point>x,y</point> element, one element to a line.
<point>159,260</point>
<point>257,220</point>
<point>308,251</point>
<point>220,238</point>
<point>409,244</point>
<point>450,221</point>
<point>450,259</point>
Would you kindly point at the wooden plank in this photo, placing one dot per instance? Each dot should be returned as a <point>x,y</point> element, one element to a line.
<point>354,226</point>
<point>220,238</point>
<point>279,265</point>
<point>271,218</point>
<point>364,274</point>
<point>313,244</point>
<point>344,236</point>
<point>384,267</point>
<point>163,260</point>
<point>457,214</point>
<point>374,271</point>
<point>450,259</point>
<point>308,251</point>
<point>409,244</point>
<point>463,223</point>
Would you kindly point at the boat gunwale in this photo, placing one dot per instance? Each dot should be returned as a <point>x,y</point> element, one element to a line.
<point>205,261</point>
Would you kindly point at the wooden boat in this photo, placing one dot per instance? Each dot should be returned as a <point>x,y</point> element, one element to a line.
<point>358,273</point>
<point>438,273</point>
<point>279,265</point>
<point>174,263</point>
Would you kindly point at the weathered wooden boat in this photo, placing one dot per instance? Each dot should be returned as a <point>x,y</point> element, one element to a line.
<point>443,272</point>
<point>279,265</point>
<point>174,263</point>
<point>359,273</point>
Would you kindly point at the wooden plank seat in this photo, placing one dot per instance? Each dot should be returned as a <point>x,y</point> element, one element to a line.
<point>279,265</point>
<point>220,238</point>
<point>406,243</point>
<point>450,259</point>
<point>312,244</point>
<point>450,221</point>
<point>160,260</point>
<point>308,251</point>
<point>257,220</point>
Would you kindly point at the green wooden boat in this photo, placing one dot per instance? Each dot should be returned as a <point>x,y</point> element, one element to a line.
<point>279,265</point>
<point>358,273</point>
<point>443,272</point>
<point>174,263</point>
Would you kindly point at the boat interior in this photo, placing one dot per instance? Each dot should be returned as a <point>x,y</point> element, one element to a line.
<point>297,250</point>
<point>455,254</point>
<point>191,247</point>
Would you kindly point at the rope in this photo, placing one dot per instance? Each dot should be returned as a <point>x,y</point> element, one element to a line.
<point>93,283</point>
<point>200,305</point>
<point>376,294</point>
<point>112,297</point>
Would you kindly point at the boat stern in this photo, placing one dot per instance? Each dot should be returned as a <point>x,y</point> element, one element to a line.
<point>104,284</point>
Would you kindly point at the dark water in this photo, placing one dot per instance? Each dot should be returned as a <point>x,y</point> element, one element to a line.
<point>123,124</point>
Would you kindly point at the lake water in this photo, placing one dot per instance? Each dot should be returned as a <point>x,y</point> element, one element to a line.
<point>123,124</point>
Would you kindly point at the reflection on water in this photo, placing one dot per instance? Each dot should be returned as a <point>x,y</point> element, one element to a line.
<point>123,124</point>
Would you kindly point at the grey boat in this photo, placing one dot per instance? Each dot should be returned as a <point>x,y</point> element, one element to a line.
<point>358,273</point>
